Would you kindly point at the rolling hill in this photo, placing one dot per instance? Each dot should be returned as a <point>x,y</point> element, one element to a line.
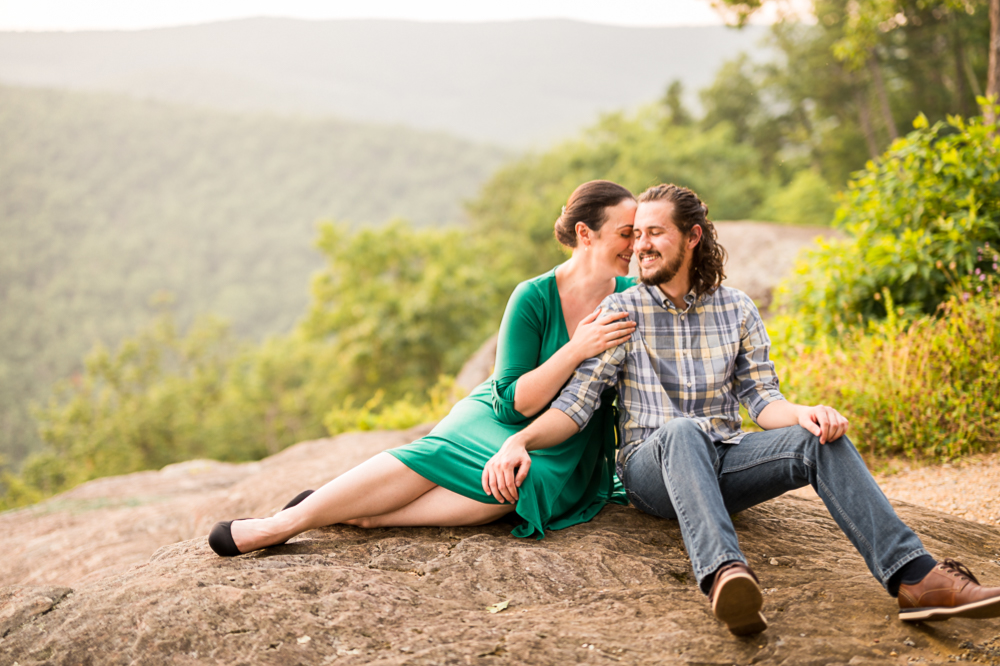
<point>107,201</point>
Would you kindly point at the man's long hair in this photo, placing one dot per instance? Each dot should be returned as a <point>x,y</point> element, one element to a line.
<point>709,257</point>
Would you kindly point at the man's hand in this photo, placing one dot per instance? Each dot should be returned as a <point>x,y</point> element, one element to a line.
<point>825,422</point>
<point>506,470</point>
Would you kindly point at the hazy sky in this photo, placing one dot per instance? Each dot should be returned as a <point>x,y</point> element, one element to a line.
<point>134,14</point>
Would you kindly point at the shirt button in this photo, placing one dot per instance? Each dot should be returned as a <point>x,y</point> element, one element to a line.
<point>682,316</point>
<point>689,384</point>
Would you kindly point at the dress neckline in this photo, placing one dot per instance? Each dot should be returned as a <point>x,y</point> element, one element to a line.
<point>561,315</point>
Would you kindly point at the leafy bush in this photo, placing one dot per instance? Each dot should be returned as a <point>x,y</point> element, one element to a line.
<point>407,412</point>
<point>914,220</point>
<point>926,388</point>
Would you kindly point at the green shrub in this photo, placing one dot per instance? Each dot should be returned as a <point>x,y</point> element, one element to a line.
<point>914,221</point>
<point>926,388</point>
<point>401,414</point>
<point>402,306</point>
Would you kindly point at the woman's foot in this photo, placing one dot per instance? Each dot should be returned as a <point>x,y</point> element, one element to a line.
<point>225,544</point>
<point>236,537</point>
<point>220,539</point>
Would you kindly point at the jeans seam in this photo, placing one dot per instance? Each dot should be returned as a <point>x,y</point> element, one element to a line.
<point>631,454</point>
<point>678,509</point>
<point>761,461</point>
<point>638,501</point>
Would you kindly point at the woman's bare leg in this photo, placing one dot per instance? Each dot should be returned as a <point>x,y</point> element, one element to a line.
<point>378,486</point>
<point>438,507</point>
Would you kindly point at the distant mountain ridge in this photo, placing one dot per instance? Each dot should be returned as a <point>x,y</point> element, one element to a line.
<point>516,83</point>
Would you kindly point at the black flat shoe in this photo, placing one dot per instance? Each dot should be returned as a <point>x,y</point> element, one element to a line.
<point>221,539</point>
<point>297,499</point>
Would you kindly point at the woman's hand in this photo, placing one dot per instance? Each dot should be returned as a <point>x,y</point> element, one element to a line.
<point>506,470</point>
<point>595,333</point>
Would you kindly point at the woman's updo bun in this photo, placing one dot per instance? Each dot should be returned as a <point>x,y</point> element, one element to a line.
<point>588,204</point>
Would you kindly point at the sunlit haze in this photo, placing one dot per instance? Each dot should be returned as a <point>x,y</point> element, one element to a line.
<point>131,15</point>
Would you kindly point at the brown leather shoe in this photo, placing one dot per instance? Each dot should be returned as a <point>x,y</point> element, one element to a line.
<point>736,599</point>
<point>949,590</point>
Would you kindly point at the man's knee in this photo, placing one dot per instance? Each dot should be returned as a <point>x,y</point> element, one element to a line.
<point>680,430</point>
<point>812,443</point>
<point>680,443</point>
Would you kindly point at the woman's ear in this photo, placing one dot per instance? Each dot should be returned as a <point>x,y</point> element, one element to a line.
<point>584,234</point>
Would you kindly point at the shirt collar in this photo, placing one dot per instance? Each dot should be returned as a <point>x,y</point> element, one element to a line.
<point>661,299</point>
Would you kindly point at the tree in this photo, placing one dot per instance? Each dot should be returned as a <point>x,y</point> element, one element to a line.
<point>993,78</point>
<point>869,23</point>
<point>673,102</point>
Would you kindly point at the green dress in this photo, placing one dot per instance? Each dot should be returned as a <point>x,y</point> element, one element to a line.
<point>567,484</point>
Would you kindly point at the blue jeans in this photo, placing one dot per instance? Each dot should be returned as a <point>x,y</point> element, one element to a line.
<point>680,473</point>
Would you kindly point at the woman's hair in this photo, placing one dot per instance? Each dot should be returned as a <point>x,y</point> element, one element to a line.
<point>588,204</point>
<point>709,257</point>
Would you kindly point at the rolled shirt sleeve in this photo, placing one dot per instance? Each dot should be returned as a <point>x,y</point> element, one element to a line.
<point>582,396</point>
<point>754,378</point>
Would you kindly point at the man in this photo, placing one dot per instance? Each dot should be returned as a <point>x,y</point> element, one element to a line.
<point>699,350</point>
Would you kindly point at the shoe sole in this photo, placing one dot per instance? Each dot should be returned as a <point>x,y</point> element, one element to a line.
<point>978,610</point>
<point>737,604</point>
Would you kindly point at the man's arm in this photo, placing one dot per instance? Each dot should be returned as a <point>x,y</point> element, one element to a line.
<point>825,422</point>
<point>757,387</point>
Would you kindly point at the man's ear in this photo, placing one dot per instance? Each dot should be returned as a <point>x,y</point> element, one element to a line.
<point>694,236</point>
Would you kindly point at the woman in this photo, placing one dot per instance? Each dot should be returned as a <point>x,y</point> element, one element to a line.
<point>437,480</point>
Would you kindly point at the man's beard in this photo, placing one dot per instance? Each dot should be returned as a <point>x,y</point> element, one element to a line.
<point>663,274</point>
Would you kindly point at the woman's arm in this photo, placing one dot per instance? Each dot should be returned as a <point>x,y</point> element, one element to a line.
<point>521,387</point>
<point>595,333</point>
<point>518,346</point>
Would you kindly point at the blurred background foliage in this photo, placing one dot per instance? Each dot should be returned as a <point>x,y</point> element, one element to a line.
<point>895,324</point>
<point>111,206</point>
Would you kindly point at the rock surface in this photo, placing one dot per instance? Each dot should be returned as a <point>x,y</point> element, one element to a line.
<point>761,254</point>
<point>618,589</point>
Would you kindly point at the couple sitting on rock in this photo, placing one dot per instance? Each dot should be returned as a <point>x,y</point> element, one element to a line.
<point>682,352</point>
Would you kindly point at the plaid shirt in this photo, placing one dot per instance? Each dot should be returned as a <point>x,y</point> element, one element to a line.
<point>698,363</point>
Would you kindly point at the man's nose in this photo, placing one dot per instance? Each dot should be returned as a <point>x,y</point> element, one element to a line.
<point>639,242</point>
